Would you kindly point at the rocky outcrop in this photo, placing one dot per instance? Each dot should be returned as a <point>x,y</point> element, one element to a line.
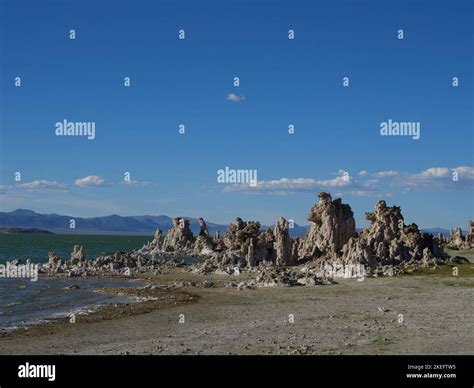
<point>274,276</point>
<point>241,241</point>
<point>202,224</point>
<point>283,244</point>
<point>155,244</point>
<point>457,239</point>
<point>237,234</point>
<point>330,249</point>
<point>218,242</point>
<point>251,254</point>
<point>231,235</point>
<point>388,241</point>
<point>78,255</point>
<point>470,233</point>
<point>332,225</point>
<point>54,261</point>
<point>179,236</point>
<point>265,247</point>
<point>441,240</point>
<point>204,244</point>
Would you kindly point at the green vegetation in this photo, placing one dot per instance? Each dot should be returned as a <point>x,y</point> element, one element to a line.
<point>447,270</point>
<point>467,253</point>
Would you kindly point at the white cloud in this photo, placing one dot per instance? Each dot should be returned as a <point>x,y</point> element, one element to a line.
<point>435,172</point>
<point>136,183</point>
<point>91,180</point>
<point>465,172</point>
<point>376,184</point>
<point>234,97</point>
<point>37,185</point>
<point>343,183</point>
<point>433,178</point>
<point>382,174</point>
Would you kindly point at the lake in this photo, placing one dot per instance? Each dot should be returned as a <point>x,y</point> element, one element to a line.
<point>36,246</point>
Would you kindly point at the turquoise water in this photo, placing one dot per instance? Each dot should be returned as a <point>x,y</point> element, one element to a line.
<point>36,246</point>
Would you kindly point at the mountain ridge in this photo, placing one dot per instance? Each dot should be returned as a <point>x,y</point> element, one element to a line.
<point>112,224</point>
<point>135,225</point>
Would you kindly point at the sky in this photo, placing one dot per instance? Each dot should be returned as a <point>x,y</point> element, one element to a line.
<point>336,145</point>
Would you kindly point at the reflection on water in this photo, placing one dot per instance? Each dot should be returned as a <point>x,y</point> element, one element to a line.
<point>25,302</point>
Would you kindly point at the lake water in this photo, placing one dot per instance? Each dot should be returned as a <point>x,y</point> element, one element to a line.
<point>36,246</point>
<point>23,302</point>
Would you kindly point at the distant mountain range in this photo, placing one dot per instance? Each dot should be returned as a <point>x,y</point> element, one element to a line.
<point>115,224</point>
<point>23,230</point>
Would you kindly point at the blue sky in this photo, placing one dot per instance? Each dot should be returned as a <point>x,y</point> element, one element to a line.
<point>282,81</point>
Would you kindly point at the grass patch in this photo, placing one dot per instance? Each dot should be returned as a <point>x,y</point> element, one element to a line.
<point>464,270</point>
<point>467,253</point>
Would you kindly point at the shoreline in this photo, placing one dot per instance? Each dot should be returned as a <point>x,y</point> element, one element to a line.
<point>142,300</point>
<point>349,317</point>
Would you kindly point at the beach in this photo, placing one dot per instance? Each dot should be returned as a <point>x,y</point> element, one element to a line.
<point>429,312</point>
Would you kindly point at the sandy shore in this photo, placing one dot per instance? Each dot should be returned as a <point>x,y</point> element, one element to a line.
<point>426,313</point>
